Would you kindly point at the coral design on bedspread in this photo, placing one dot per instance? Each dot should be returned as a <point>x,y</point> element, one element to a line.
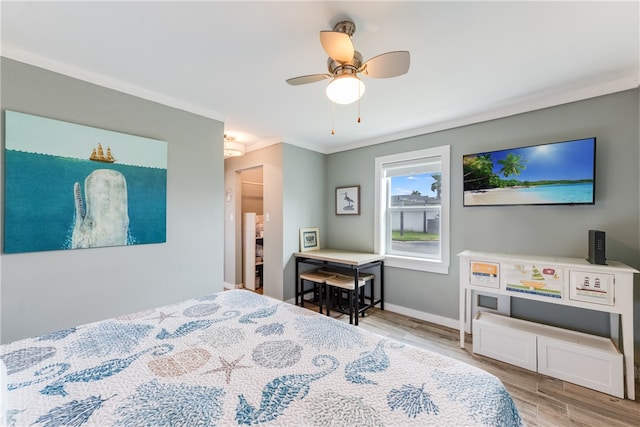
<point>323,333</point>
<point>108,338</point>
<point>345,410</point>
<point>412,400</point>
<point>170,405</point>
<point>463,387</point>
<point>74,413</point>
<point>239,358</point>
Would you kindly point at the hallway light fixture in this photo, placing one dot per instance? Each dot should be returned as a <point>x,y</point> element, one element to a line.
<point>345,89</point>
<point>232,148</point>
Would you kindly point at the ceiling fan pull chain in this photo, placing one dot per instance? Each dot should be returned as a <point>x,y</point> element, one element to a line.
<point>333,118</point>
<point>359,104</point>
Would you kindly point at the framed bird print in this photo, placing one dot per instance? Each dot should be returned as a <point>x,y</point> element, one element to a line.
<point>348,200</point>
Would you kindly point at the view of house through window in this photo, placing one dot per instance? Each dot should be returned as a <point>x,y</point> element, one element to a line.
<point>414,210</point>
<point>412,203</point>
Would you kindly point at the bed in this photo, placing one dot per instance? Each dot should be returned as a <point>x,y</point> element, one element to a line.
<point>239,358</point>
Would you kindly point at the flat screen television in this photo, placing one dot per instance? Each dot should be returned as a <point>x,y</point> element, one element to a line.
<point>559,173</point>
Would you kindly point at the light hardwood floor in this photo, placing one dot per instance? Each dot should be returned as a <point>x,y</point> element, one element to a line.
<point>541,400</point>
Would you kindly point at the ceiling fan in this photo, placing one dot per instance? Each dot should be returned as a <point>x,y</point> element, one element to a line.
<point>345,63</point>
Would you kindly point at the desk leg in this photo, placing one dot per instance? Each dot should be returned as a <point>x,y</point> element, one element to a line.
<point>381,285</point>
<point>356,303</point>
<point>297,279</point>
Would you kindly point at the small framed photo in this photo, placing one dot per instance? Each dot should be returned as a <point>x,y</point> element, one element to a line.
<point>309,239</point>
<point>348,200</point>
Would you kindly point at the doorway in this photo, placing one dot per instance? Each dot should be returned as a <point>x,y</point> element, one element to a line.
<point>252,211</point>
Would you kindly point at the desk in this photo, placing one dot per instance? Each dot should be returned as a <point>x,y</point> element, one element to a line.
<point>568,281</point>
<point>355,261</point>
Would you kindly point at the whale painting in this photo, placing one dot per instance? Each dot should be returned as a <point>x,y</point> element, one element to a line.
<point>70,186</point>
<point>103,220</point>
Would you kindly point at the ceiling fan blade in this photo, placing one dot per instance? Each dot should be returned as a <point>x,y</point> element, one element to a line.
<point>390,64</point>
<point>311,78</point>
<point>337,45</point>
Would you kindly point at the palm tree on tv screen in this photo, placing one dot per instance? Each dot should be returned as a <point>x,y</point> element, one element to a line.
<point>512,165</point>
<point>478,171</point>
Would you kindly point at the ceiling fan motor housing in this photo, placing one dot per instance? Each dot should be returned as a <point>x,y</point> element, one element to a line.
<point>347,27</point>
<point>351,67</point>
<point>345,61</point>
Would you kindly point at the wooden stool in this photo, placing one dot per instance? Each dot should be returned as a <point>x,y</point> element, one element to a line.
<point>343,283</point>
<point>318,278</point>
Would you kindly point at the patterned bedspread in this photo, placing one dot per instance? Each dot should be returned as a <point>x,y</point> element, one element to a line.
<point>238,358</point>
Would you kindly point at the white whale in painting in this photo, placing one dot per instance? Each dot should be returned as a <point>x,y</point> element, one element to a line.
<point>103,220</point>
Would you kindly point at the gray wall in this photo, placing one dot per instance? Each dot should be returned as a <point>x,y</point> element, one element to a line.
<point>270,159</point>
<point>304,187</point>
<point>294,185</point>
<point>46,291</point>
<point>535,230</point>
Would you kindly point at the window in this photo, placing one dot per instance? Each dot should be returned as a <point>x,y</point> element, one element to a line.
<point>412,209</point>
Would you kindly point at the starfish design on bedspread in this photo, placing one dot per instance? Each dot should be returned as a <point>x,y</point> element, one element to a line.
<point>163,316</point>
<point>228,367</point>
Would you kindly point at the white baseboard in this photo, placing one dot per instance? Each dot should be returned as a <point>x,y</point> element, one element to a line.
<point>228,286</point>
<point>427,317</point>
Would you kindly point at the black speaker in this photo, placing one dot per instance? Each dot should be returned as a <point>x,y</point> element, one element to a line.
<point>596,247</point>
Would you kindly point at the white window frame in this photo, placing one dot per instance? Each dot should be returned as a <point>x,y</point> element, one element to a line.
<point>414,263</point>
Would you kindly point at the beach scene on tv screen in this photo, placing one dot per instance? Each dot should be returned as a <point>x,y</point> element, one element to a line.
<point>556,173</point>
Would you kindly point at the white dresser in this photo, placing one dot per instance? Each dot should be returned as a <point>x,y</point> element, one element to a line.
<point>554,280</point>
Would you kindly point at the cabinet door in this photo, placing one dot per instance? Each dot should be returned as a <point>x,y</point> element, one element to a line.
<point>540,279</point>
<point>589,286</point>
<point>484,273</point>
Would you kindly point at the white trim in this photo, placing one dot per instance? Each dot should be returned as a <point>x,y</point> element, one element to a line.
<point>379,233</point>
<point>108,82</point>
<point>229,286</point>
<point>537,101</point>
<point>419,264</point>
<point>421,315</point>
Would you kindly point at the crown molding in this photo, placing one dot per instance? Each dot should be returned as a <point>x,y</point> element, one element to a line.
<point>538,102</point>
<point>107,82</point>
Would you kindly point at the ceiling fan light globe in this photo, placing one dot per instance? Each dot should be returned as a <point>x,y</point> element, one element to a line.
<point>345,89</point>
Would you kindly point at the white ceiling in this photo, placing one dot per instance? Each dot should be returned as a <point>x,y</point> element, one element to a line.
<point>470,61</point>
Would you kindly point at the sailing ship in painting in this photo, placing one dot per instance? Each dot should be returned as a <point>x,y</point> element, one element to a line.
<point>594,290</point>
<point>98,155</point>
